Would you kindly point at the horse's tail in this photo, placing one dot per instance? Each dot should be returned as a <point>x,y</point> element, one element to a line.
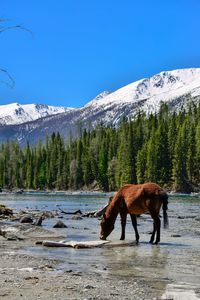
<point>165,208</point>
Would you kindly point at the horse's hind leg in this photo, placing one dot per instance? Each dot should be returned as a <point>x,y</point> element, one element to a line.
<point>156,229</point>
<point>123,215</point>
<point>134,222</point>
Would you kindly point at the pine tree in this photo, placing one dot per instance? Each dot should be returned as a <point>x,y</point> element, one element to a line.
<point>179,162</point>
<point>103,167</point>
<point>151,173</point>
<point>191,153</point>
<point>141,162</point>
<point>79,164</point>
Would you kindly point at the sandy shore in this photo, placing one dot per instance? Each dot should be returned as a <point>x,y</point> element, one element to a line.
<point>24,276</point>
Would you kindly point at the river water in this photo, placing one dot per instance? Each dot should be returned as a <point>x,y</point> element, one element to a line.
<point>172,268</point>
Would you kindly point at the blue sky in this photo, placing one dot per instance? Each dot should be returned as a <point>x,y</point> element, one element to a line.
<point>83,47</point>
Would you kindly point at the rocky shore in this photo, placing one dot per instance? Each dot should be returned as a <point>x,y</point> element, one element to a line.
<point>30,271</point>
<point>25,276</point>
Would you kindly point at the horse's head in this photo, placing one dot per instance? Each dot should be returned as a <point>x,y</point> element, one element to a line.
<point>107,227</point>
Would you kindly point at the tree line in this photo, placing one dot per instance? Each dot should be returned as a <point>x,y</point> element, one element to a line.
<point>162,148</point>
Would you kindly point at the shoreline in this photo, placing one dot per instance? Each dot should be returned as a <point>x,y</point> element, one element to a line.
<point>85,192</point>
<point>25,274</point>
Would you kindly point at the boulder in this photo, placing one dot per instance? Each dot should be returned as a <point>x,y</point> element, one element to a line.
<point>5,211</point>
<point>38,222</point>
<point>60,224</point>
<point>26,219</point>
<point>77,217</point>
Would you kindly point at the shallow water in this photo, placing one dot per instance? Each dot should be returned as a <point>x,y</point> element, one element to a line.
<point>172,268</point>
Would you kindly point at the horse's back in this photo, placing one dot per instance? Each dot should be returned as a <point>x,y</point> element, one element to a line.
<point>141,198</point>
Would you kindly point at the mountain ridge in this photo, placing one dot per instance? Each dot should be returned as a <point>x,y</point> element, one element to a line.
<point>176,88</point>
<point>15,113</point>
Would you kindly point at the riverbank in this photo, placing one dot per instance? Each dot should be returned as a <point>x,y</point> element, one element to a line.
<point>167,271</point>
<point>24,276</point>
<point>28,277</point>
<point>81,192</point>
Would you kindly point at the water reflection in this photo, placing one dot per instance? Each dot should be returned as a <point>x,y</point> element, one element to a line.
<point>180,292</point>
<point>144,262</point>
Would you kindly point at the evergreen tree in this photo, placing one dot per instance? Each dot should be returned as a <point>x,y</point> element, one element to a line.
<point>162,148</point>
<point>179,162</point>
<point>141,164</point>
<point>103,167</point>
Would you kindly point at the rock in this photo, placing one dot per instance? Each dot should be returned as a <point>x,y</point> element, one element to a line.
<point>20,191</point>
<point>77,218</point>
<point>38,222</point>
<point>26,219</point>
<point>38,242</point>
<point>60,224</point>
<point>175,235</point>
<point>88,287</point>
<point>10,236</point>
<point>5,211</point>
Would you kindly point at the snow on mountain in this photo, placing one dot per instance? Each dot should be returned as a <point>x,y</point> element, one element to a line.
<point>17,114</point>
<point>172,87</point>
<point>164,87</point>
<point>177,88</point>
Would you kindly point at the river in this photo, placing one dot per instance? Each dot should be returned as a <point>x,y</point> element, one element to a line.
<point>172,268</point>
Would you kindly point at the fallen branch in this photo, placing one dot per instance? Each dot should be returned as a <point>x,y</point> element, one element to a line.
<point>70,213</point>
<point>11,82</point>
<point>96,213</point>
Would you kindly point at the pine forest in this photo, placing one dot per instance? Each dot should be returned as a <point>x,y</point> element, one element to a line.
<point>162,148</point>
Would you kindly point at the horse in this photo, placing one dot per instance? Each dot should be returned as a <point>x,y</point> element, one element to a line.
<point>136,200</point>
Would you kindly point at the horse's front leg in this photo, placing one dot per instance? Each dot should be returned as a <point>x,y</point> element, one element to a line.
<point>134,223</point>
<point>153,233</point>
<point>123,215</point>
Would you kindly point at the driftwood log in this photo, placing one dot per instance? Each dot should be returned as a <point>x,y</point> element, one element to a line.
<point>87,244</point>
<point>95,213</point>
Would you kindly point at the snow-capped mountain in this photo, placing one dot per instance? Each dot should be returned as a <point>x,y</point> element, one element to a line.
<point>14,113</point>
<point>177,88</point>
<point>147,94</point>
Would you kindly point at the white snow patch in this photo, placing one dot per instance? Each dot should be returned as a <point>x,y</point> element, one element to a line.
<point>16,113</point>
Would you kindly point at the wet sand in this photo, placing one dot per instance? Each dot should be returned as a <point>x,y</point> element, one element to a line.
<point>24,276</point>
<point>170,270</point>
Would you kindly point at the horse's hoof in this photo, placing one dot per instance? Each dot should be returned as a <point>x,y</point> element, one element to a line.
<point>150,242</point>
<point>136,242</point>
<point>155,243</point>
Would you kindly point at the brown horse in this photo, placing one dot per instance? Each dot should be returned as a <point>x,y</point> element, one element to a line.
<point>136,200</point>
